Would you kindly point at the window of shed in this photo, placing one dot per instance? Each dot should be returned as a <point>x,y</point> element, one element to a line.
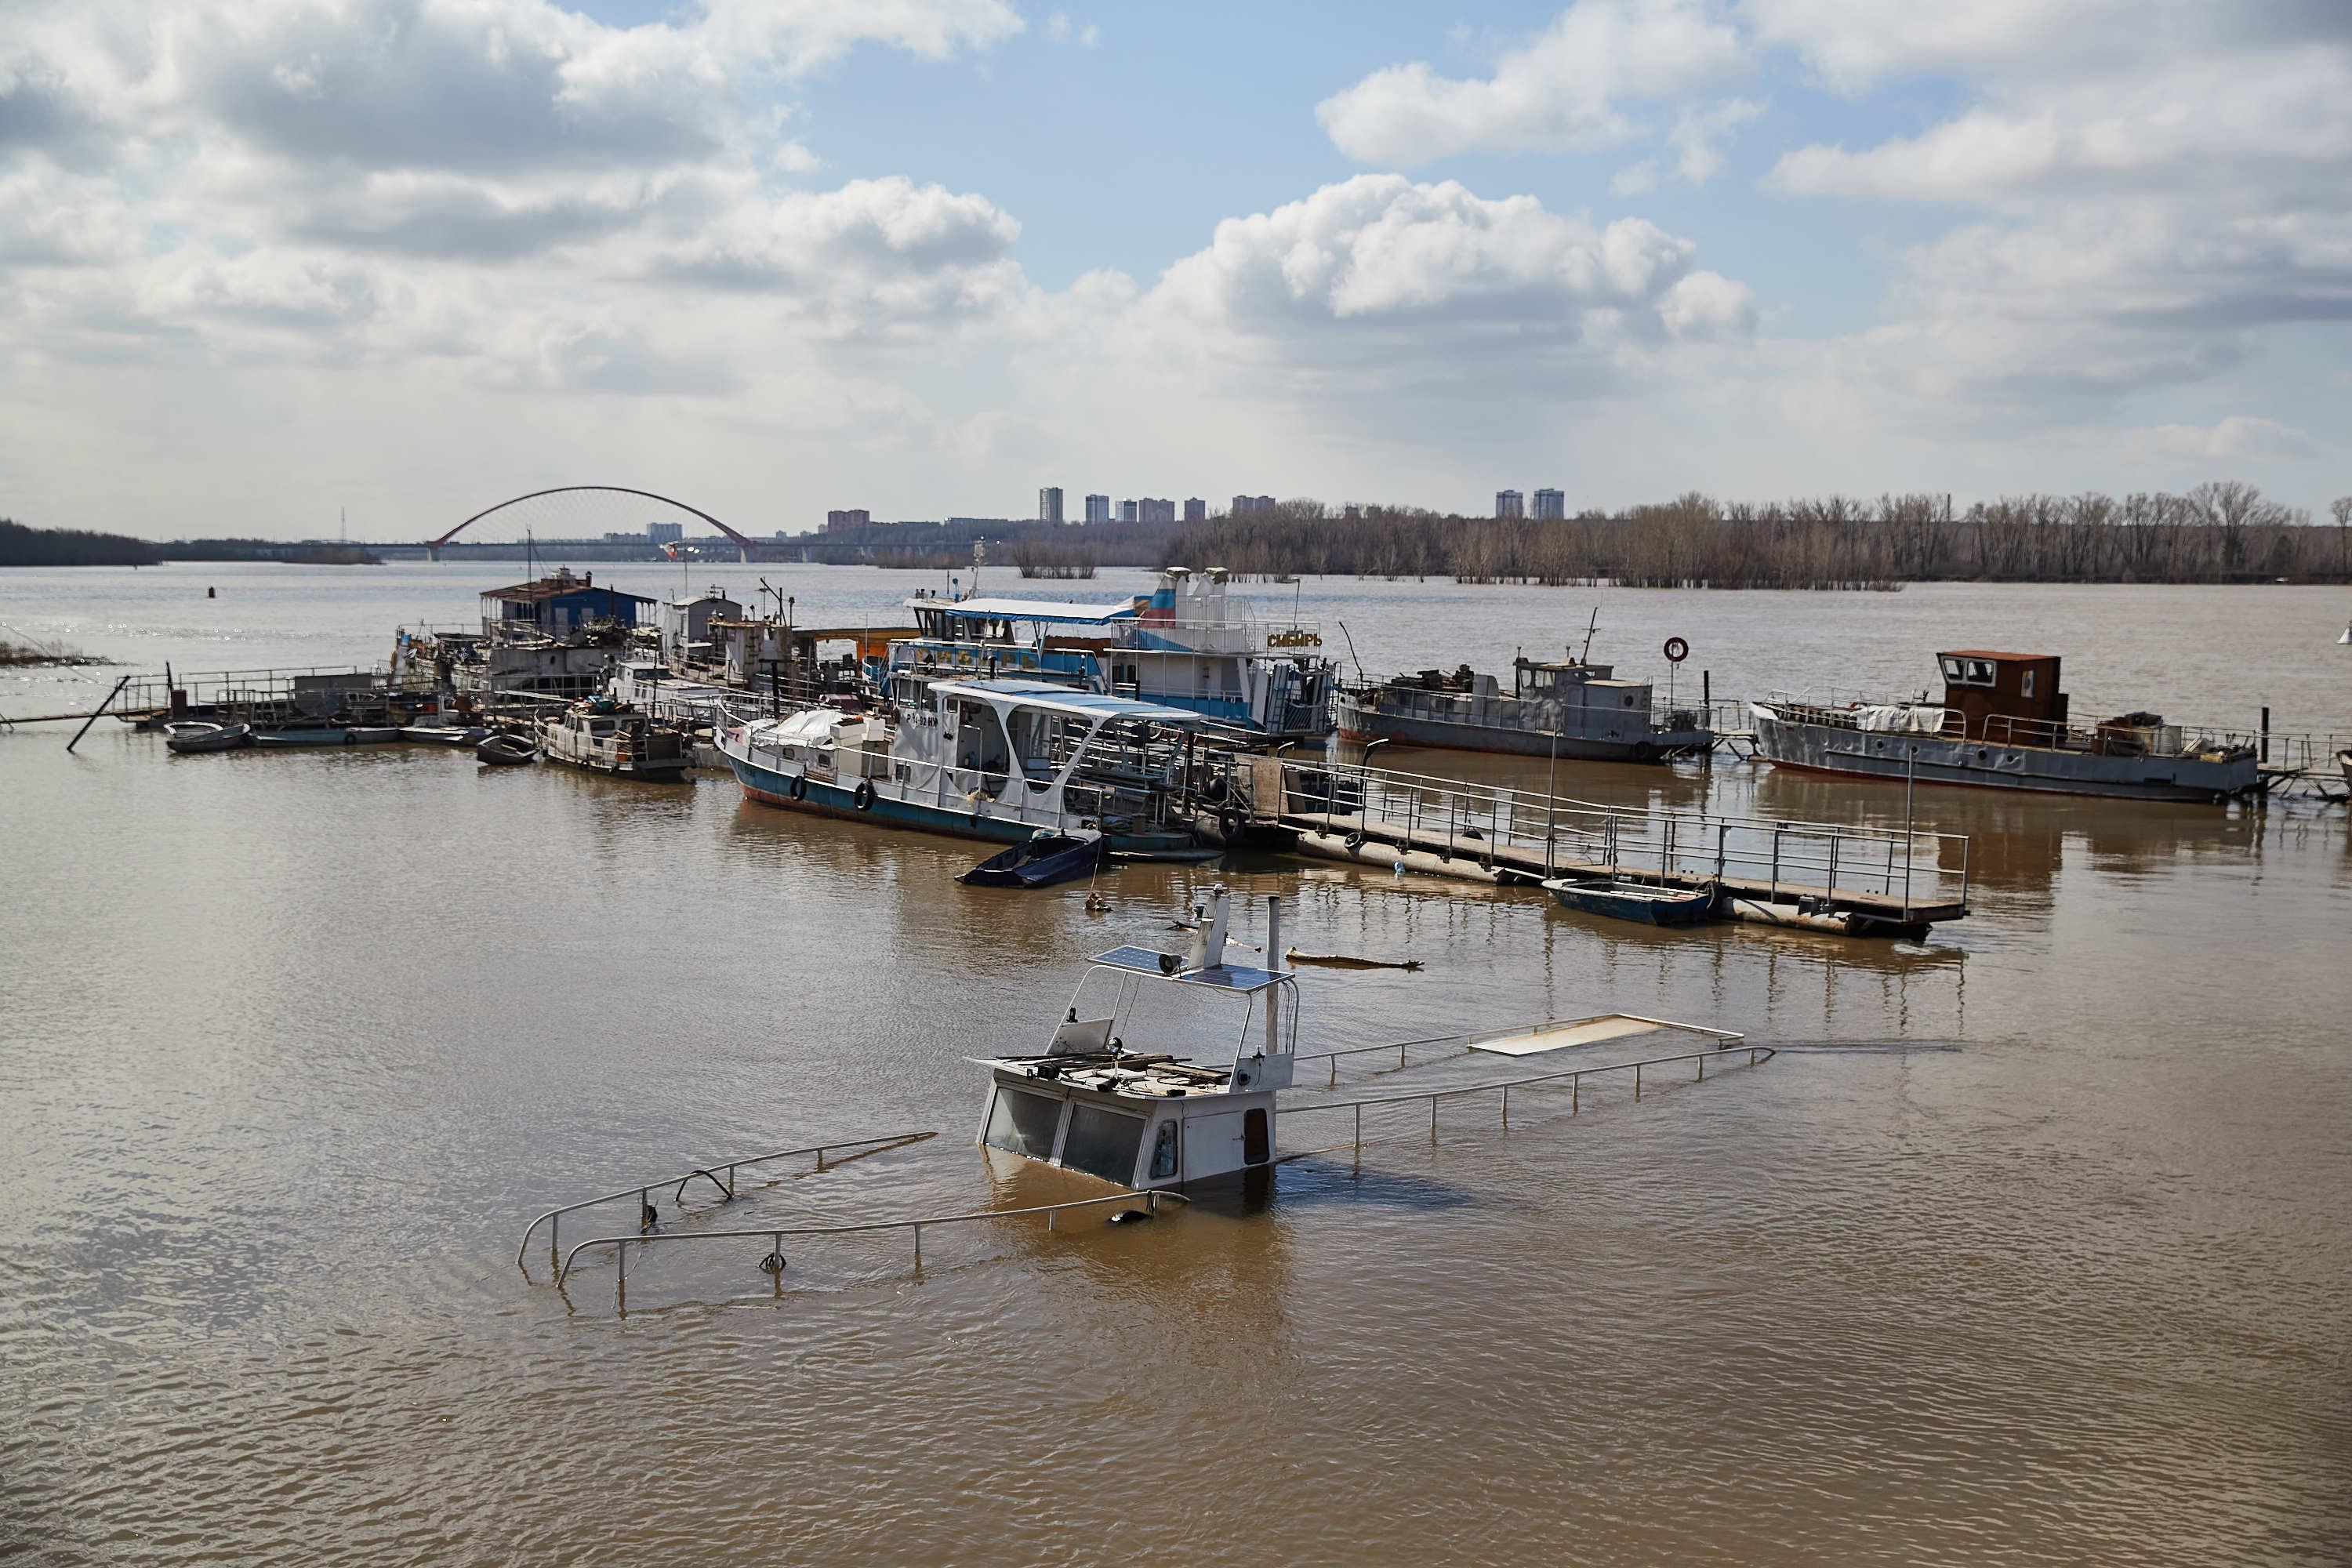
<point>2028,688</point>
<point>1103,1143</point>
<point>1021,1122</point>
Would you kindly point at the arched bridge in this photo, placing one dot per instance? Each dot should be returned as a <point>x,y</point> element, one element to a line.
<point>433,546</point>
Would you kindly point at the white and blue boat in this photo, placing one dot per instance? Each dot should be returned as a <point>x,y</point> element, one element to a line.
<point>1188,643</point>
<point>994,760</point>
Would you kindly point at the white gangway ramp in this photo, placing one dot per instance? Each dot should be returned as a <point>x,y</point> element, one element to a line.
<point>1561,1034</point>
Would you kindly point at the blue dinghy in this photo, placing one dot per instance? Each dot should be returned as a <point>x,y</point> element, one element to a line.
<point>1038,862</point>
<point>1634,901</point>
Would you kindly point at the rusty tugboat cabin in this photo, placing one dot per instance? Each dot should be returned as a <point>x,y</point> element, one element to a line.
<point>2003,724</point>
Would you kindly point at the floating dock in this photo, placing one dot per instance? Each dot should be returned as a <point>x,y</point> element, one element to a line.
<point>1855,880</point>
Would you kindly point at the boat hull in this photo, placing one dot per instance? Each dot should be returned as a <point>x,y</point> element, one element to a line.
<point>1359,723</point>
<point>1024,866</point>
<point>1639,906</point>
<point>826,797</point>
<point>1940,759</point>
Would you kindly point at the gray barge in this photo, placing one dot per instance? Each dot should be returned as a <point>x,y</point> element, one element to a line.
<point>1567,708</point>
<point>2003,725</point>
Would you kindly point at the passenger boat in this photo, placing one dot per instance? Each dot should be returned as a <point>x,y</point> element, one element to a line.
<point>605,737</point>
<point>1188,643</point>
<point>984,759</point>
<point>190,738</point>
<point>2002,724</point>
<point>1040,860</point>
<point>1141,1116</point>
<point>1567,708</point>
<point>505,751</point>
<point>1635,901</point>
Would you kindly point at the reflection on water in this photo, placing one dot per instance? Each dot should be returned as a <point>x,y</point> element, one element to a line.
<point>2050,1259</point>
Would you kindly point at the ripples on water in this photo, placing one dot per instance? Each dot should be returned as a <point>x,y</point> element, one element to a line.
<point>2050,1261</point>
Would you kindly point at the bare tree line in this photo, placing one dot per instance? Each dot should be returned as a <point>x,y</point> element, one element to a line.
<point>2225,531</point>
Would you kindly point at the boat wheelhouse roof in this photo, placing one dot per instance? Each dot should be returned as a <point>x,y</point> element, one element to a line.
<point>1067,699</point>
<point>1993,653</point>
<point>1234,977</point>
<point>1026,610</point>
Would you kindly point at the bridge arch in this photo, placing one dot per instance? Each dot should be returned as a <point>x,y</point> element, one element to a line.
<point>433,546</point>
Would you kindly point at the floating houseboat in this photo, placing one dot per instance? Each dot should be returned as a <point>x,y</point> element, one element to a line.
<point>1135,1115</point>
<point>2003,724</point>
<point>605,738</point>
<point>985,759</point>
<point>1189,644</point>
<point>1567,708</point>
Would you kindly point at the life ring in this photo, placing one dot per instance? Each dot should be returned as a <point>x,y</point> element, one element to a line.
<point>1677,650</point>
<point>798,788</point>
<point>863,797</point>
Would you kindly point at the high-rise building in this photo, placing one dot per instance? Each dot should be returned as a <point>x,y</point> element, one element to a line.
<point>1196,511</point>
<point>1550,504</point>
<point>1155,508</point>
<point>1510,503</point>
<point>1253,503</point>
<point>664,533</point>
<point>1127,512</point>
<point>1049,504</point>
<point>1098,509</point>
<point>856,517</point>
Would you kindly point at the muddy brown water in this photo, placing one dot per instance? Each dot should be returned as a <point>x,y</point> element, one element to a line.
<point>2039,1251</point>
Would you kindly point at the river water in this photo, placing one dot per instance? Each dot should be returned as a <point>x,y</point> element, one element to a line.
<point>2038,1251</point>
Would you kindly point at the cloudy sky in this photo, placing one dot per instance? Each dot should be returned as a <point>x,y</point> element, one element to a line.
<point>261,258</point>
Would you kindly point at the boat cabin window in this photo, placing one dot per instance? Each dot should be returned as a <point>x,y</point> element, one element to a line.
<point>2028,689</point>
<point>1039,738</point>
<point>980,739</point>
<point>1968,671</point>
<point>1103,1143</point>
<point>1163,1152</point>
<point>1021,1122</point>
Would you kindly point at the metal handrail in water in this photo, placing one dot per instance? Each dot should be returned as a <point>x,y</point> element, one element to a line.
<point>777,1233</point>
<point>554,1217</point>
<point>1573,1077</point>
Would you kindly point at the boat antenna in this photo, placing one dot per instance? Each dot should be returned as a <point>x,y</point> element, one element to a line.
<point>1586,657</point>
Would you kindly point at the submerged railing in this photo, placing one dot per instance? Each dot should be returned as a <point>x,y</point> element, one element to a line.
<point>849,1148</point>
<point>1573,1077</point>
<point>773,1261</point>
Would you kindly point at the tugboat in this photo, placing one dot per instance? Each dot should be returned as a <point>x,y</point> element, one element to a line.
<point>605,737</point>
<point>1569,708</point>
<point>2002,724</point>
<point>1142,1118</point>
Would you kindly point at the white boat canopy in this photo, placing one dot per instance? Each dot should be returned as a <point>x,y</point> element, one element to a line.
<point>1026,610</point>
<point>1067,699</point>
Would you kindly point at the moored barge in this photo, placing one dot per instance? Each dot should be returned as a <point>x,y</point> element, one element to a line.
<point>1567,708</point>
<point>2002,724</point>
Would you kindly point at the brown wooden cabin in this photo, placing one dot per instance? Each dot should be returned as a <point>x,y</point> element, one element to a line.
<point>1982,685</point>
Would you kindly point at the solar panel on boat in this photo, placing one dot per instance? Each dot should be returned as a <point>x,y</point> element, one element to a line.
<point>1223,977</point>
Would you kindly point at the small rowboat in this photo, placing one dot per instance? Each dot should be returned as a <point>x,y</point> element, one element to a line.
<point>1039,861</point>
<point>375,734</point>
<point>445,734</point>
<point>506,751</point>
<point>321,736</point>
<point>1634,901</point>
<point>188,738</point>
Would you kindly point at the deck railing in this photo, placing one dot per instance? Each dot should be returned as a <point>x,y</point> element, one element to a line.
<point>1572,1077</point>
<point>1471,823</point>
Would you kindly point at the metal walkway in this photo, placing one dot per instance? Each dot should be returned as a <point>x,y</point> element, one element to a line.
<point>1860,880</point>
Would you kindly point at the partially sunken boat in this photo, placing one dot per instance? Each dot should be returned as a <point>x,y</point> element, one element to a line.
<point>2002,724</point>
<point>1144,1118</point>
<point>1566,707</point>
<point>985,759</point>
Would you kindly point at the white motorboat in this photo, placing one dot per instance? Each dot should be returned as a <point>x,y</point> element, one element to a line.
<point>188,738</point>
